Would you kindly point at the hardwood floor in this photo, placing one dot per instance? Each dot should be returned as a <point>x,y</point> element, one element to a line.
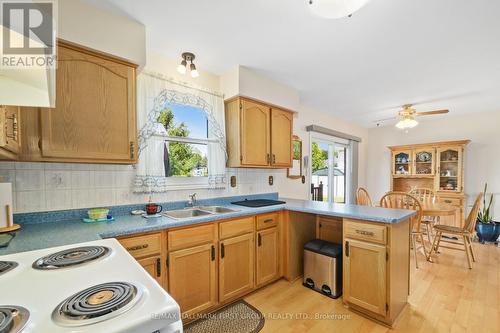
<point>446,296</point>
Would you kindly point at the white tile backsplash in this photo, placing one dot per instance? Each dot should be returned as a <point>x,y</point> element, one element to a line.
<point>55,186</point>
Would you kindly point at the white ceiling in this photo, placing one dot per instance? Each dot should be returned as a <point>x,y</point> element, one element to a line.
<point>439,53</point>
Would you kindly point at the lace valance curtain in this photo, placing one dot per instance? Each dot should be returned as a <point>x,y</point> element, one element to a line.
<point>154,93</point>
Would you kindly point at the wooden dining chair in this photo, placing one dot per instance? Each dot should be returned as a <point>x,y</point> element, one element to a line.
<point>426,194</point>
<point>404,200</point>
<point>363,197</point>
<point>465,233</point>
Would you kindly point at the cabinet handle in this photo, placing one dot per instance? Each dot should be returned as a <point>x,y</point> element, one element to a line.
<point>347,248</point>
<point>365,233</point>
<point>213,253</point>
<point>274,159</point>
<point>268,158</point>
<point>15,128</point>
<point>158,267</point>
<point>448,201</point>
<point>138,247</point>
<point>222,250</point>
<point>132,149</point>
<point>268,220</point>
<point>259,240</point>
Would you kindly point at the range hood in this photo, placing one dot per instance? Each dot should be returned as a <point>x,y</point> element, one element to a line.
<point>23,86</point>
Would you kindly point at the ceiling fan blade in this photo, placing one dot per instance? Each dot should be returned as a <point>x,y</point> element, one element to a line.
<point>430,113</point>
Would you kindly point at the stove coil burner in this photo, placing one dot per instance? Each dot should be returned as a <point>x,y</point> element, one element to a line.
<point>97,303</point>
<point>71,257</point>
<point>12,318</point>
<point>6,266</point>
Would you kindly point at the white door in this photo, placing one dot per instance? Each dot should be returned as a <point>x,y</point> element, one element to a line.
<point>329,176</point>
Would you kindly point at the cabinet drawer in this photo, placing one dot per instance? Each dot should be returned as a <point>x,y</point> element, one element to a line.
<point>367,232</point>
<point>267,220</point>
<point>184,238</point>
<point>451,201</point>
<point>236,227</point>
<point>142,246</point>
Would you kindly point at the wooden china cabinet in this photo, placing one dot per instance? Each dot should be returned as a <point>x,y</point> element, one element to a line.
<point>438,166</point>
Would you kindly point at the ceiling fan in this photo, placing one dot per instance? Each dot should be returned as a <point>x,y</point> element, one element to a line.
<point>407,116</point>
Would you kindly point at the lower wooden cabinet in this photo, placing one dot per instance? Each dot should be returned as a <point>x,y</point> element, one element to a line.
<point>329,229</point>
<point>365,275</point>
<point>236,266</point>
<point>153,266</point>
<point>193,278</point>
<point>267,255</point>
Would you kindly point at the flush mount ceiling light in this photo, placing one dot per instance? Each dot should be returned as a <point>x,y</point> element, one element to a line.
<point>334,9</point>
<point>182,68</point>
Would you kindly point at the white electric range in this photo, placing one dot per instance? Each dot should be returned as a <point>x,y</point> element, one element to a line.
<point>89,287</point>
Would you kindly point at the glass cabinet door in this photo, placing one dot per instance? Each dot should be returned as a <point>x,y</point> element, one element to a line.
<point>424,161</point>
<point>450,169</point>
<point>401,161</point>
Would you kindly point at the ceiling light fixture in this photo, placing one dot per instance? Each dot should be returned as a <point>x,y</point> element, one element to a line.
<point>334,9</point>
<point>406,122</point>
<point>182,68</point>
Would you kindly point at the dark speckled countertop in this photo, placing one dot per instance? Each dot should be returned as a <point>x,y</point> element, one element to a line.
<point>34,236</point>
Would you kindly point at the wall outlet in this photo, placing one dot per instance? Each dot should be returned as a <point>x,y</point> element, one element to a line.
<point>233,181</point>
<point>271,180</point>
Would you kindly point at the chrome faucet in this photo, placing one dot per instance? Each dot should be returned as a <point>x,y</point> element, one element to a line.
<point>192,200</point>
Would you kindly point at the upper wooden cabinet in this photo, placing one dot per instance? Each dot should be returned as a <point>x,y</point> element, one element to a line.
<point>94,119</point>
<point>255,133</point>
<point>10,139</point>
<point>258,135</point>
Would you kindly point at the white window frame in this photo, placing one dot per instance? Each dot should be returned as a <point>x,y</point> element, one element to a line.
<point>181,183</point>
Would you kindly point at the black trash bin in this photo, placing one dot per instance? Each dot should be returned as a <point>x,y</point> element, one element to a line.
<point>323,267</point>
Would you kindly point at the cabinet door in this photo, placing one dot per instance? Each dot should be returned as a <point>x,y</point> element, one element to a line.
<point>9,129</point>
<point>255,134</point>
<point>154,267</point>
<point>450,169</point>
<point>94,117</point>
<point>401,162</point>
<point>236,266</point>
<point>424,161</point>
<point>329,229</point>
<point>365,275</point>
<point>192,278</point>
<point>281,138</point>
<point>267,268</point>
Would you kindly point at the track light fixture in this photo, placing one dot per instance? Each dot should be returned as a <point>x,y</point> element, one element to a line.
<point>182,68</point>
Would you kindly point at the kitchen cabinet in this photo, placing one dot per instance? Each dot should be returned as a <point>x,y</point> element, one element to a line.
<point>193,278</point>
<point>153,266</point>
<point>236,266</point>
<point>267,256</point>
<point>281,138</point>
<point>9,132</point>
<point>365,275</point>
<point>148,250</point>
<point>329,229</point>
<point>376,268</point>
<point>94,119</point>
<point>259,135</point>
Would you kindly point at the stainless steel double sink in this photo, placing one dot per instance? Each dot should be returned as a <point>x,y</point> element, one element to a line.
<point>197,211</point>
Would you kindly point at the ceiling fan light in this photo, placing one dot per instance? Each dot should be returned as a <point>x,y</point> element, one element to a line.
<point>182,67</point>
<point>334,9</point>
<point>406,123</point>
